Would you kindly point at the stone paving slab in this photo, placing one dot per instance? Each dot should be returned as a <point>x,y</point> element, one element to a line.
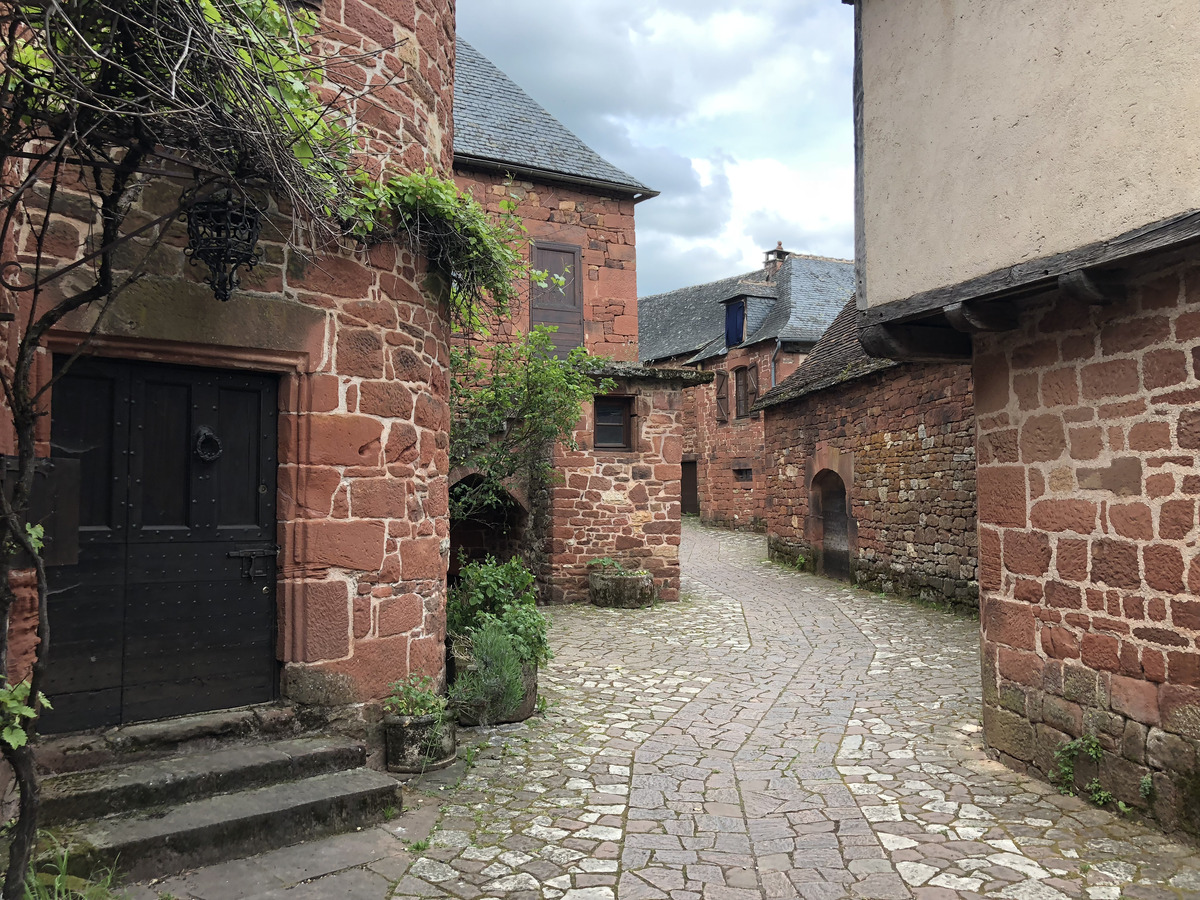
<point>775,735</point>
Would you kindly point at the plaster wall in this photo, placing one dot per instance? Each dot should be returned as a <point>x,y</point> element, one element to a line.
<point>998,133</point>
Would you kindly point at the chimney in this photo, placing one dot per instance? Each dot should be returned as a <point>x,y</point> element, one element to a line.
<point>774,259</point>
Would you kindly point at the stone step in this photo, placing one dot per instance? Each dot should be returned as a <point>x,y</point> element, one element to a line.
<point>165,842</point>
<point>94,793</point>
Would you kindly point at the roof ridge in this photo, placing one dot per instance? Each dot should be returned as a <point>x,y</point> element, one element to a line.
<point>818,256</point>
<point>498,123</point>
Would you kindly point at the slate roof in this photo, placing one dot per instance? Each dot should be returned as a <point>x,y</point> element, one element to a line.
<point>497,124</point>
<point>797,304</point>
<point>836,358</point>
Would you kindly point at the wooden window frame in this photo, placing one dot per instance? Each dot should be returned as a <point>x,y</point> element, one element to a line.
<point>626,423</point>
<point>745,384</point>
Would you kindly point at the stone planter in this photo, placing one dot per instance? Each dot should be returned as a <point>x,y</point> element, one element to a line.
<point>624,590</point>
<point>469,716</point>
<point>419,743</point>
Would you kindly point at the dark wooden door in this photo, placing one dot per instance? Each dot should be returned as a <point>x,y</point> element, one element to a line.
<point>689,489</point>
<point>558,305</point>
<point>171,608</point>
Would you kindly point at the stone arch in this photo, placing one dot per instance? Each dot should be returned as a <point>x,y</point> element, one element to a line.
<point>831,526</point>
<point>498,531</point>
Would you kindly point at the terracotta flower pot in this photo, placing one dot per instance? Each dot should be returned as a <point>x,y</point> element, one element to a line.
<point>419,743</point>
<point>624,590</point>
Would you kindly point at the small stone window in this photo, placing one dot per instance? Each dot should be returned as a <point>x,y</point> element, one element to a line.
<point>743,475</point>
<point>614,423</point>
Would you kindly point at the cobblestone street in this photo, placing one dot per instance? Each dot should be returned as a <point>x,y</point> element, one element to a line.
<point>772,735</point>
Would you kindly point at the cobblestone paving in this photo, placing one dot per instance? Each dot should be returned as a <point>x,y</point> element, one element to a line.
<point>774,735</point>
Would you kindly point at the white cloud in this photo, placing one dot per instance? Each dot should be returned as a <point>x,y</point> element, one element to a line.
<point>741,117</point>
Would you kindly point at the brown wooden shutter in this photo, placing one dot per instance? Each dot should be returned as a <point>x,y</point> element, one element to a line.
<point>561,307</point>
<point>721,386</point>
<point>751,386</point>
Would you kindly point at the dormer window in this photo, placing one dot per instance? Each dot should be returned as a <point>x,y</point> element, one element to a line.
<point>735,322</point>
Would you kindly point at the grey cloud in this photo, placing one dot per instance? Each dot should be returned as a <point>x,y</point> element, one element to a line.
<point>674,269</point>
<point>768,227</point>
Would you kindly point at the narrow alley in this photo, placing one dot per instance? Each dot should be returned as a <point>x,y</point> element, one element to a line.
<point>773,735</point>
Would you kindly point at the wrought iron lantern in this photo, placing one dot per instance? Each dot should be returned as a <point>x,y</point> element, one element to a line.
<point>223,234</point>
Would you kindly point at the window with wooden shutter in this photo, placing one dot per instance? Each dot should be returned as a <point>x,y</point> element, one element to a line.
<point>561,307</point>
<point>739,389</point>
<point>721,388</point>
<point>751,387</point>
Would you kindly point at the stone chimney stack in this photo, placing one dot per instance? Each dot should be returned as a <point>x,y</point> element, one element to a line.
<point>775,260</point>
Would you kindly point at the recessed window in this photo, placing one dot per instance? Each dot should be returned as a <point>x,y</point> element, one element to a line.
<point>745,388</point>
<point>735,322</point>
<point>743,475</point>
<point>614,429</point>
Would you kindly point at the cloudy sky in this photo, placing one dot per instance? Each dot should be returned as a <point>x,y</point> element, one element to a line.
<point>739,113</point>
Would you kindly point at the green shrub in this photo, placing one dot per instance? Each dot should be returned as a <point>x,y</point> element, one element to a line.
<point>491,687</point>
<point>490,592</point>
<point>414,696</point>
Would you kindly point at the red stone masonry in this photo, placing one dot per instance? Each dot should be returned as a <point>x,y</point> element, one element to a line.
<point>902,440</point>
<point>622,504</point>
<point>1089,431</point>
<point>602,226</point>
<point>721,446</point>
<point>360,341</point>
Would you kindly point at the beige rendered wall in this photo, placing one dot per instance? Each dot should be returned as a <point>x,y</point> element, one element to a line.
<point>999,132</point>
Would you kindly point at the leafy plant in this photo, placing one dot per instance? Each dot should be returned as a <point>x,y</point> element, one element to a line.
<point>492,686</point>
<point>15,711</point>
<point>1097,794</point>
<point>1063,773</point>
<point>1146,787</point>
<point>502,593</point>
<point>611,566</point>
<point>414,696</point>
<point>510,402</point>
<point>419,846</point>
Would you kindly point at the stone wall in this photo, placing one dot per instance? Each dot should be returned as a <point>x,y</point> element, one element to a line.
<point>731,466</point>
<point>359,340</point>
<point>1088,486</point>
<point>902,440</point>
<point>621,504</point>
<point>601,226</point>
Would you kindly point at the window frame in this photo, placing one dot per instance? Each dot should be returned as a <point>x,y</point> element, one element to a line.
<point>626,402</point>
<point>745,390</point>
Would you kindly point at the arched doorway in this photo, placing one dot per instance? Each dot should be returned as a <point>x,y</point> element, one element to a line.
<point>828,501</point>
<point>496,530</point>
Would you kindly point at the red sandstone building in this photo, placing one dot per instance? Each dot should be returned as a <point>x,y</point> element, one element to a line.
<point>617,495</point>
<point>871,469</point>
<point>264,505</point>
<point>751,331</point>
<point>1029,201</point>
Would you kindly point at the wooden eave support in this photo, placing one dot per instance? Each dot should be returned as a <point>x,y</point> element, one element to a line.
<point>915,343</point>
<point>1093,286</point>
<point>972,317</point>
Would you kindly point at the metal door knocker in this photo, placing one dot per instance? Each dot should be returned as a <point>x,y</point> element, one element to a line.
<point>208,445</point>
